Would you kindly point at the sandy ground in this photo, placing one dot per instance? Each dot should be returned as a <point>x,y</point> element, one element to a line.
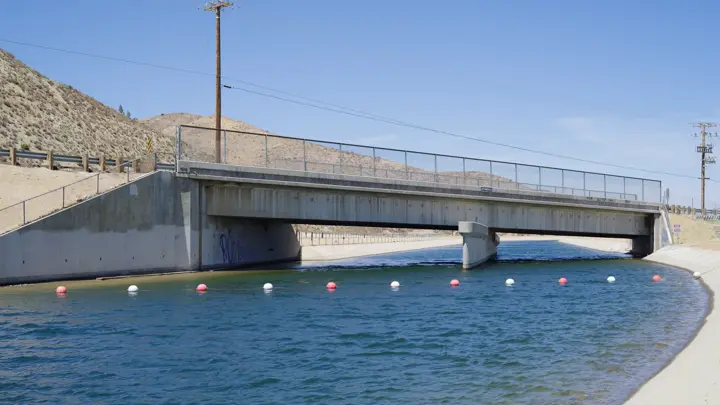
<point>693,231</point>
<point>21,183</point>
<point>321,253</point>
<point>600,244</point>
<point>693,377</point>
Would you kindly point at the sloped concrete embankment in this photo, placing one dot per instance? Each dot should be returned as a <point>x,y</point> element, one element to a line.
<point>154,224</point>
<point>693,377</point>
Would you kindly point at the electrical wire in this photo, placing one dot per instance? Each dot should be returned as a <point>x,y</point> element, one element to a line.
<point>322,105</point>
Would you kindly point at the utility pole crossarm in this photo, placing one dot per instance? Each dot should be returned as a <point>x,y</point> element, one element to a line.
<point>704,150</point>
<point>217,6</point>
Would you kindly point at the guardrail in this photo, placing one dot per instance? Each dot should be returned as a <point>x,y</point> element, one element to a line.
<point>26,154</point>
<point>42,205</point>
<point>255,149</point>
<point>329,238</point>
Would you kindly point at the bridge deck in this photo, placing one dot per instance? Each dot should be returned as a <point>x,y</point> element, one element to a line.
<point>280,177</point>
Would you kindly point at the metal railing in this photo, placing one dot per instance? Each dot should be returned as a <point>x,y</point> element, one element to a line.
<point>330,238</point>
<point>309,155</point>
<point>27,154</point>
<point>31,209</point>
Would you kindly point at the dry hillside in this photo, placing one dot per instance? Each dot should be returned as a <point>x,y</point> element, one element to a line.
<point>46,115</point>
<point>41,114</point>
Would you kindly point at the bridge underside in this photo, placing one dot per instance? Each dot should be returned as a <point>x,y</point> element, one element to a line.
<point>365,208</point>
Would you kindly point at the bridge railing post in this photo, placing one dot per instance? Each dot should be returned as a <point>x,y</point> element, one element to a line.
<point>340,158</point>
<point>643,190</point>
<point>407,174</point>
<point>266,151</point>
<point>464,174</point>
<point>374,173</point>
<point>540,185</point>
<point>178,145</point>
<point>491,175</point>
<point>605,185</point>
<point>436,172</point>
<point>624,188</point>
<point>305,154</point>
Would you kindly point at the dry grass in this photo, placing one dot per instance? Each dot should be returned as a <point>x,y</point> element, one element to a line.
<point>694,231</point>
<point>47,115</point>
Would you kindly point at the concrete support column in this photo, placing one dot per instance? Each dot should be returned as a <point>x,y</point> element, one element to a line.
<point>647,244</point>
<point>479,243</point>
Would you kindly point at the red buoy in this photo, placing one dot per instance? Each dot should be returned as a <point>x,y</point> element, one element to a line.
<point>201,287</point>
<point>562,281</point>
<point>656,278</point>
<point>61,290</point>
<point>454,283</point>
<point>331,286</point>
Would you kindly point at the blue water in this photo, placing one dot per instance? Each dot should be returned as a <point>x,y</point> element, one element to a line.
<point>589,342</point>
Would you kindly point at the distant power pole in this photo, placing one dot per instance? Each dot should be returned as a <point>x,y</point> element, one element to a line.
<point>216,6</point>
<point>705,150</point>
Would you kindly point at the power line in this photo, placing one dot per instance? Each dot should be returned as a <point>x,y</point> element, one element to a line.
<point>454,134</point>
<point>314,103</point>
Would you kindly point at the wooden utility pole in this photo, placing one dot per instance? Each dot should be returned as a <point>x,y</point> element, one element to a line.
<point>216,6</point>
<point>705,158</point>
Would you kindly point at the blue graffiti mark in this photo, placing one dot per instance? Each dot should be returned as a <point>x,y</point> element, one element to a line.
<point>230,248</point>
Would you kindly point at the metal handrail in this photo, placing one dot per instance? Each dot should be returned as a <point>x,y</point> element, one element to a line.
<point>513,172</point>
<point>490,180</point>
<point>126,164</point>
<point>414,152</point>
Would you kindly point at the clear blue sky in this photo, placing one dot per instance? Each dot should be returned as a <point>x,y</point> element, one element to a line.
<point>615,81</point>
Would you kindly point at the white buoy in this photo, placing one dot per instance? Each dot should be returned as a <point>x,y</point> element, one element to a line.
<point>611,279</point>
<point>697,275</point>
<point>395,284</point>
<point>267,286</point>
<point>133,288</point>
<point>509,282</point>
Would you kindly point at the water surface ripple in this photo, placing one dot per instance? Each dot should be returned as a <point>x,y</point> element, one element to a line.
<point>589,342</point>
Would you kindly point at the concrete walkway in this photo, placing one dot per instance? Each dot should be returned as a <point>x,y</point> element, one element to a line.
<point>693,377</point>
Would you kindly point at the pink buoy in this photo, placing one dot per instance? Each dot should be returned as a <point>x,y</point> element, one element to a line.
<point>201,287</point>
<point>454,283</point>
<point>61,290</point>
<point>656,278</point>
<point>331,286</point>
<point>562,281</point>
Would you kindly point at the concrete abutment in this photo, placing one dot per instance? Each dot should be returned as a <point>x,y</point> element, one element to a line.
<point>645,245</point>
<point>155,224</point>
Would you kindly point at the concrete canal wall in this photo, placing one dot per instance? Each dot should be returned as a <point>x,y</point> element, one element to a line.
<point>693,377</point>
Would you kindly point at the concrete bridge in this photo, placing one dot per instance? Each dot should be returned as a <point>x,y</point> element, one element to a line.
<point>319,198</point>
<point>204,216</point>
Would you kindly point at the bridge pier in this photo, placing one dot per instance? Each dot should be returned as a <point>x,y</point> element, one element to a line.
<point>479,243</point>
<point>645,245</point>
